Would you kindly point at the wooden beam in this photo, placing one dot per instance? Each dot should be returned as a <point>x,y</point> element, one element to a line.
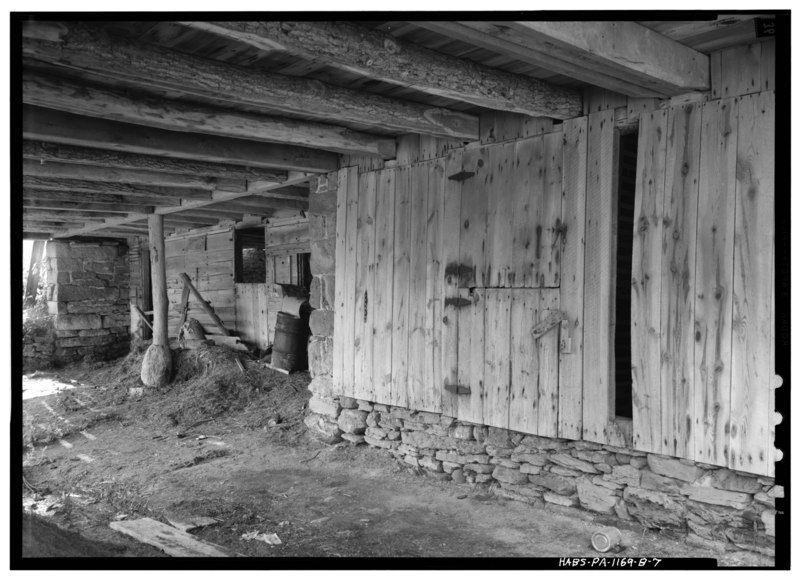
<point>114,104</point>
<point>645,64</point>
<point>44,152</point>
<point>86,207</point>
<point>125,190</point>
<point>129,176</point>
<point>381,56</point>
<point>86,48</point>
<point>69,215</point>
<point>216,197</point>
<point>72,129</point>
<point>83,197</point>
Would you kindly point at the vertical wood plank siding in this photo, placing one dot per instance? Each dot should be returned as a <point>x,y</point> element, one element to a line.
<point>440,281</point>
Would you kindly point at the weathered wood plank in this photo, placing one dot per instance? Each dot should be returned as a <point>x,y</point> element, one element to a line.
<point>365,286</point>
<point>471,355</point>
<point>433,287</point>
<point>48,152</point>
<point>549,246</point>
<point>337,370</point>
<point>499,235</point>
<point>384,57</point>
<point>525,187</point>
<point>497,369</point>
<point>600,273</point>
<point>170,540</point>
<point>775,381</point>
<point>114,104</point>
<point>740,70</point>
<point>71,129</point>
<point>646,281</point>
<point>450,235</point>
<point>348,280</point>
<point>752,285</point>
<point>768,65</point>
<point>678,280</point>
<point>714,275</point>
<point>524,391</point>
<point>401,290</point>
<point>383,280</point>
<point>548,344</point>
<point>88,48</point>
<point>418,395</point>
<point>573,218</point>
<point>474,204</point>
<point>251,314</point>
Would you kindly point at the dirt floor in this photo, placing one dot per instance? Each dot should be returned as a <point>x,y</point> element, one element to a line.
<point>232,446</point>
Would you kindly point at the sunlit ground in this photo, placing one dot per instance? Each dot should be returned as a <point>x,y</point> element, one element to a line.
<point>42,384</point>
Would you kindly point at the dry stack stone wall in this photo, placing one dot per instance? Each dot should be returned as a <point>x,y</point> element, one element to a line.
<point>88,296</point>
<point>712,507</point>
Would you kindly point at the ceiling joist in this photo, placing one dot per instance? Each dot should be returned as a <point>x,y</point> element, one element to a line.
<point>60,153</point>
<point>625,57</point>
<point>87,49</point>
<point>86,207</point>
<point>381,56</point>
<point>64,128</point>
<point>114,104</point>
<point>129,176</point>
<point>129,192</point>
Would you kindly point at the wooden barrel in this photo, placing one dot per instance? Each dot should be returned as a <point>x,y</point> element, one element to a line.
<point>289,346</point>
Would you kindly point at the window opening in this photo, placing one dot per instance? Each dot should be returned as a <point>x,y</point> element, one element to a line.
<point>250,263</point>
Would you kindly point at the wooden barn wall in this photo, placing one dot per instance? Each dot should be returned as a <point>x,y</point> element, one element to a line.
<point>440,280</point>
<point>207,257</point>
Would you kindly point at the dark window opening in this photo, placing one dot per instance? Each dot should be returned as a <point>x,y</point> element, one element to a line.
<point>250,262</point>
<point>626,194</point>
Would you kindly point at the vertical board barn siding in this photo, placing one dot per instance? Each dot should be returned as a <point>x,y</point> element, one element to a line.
<point>450,227</point>
<point>548,253</point>
<point>365,254</point>
<point>714,274</point>
<point>547,346</point>
<point>418,181</point>
<point>573,218</point>
<point>499,235</point>
<point>342,271</point>
<point>751,418</point>
<point>401,287</point>
<point>383,270</point>
<point>433,287</point>
<point>472,329</point>
<point>524,355</point>
<point>251,313</point>
<point>646,282</point>
<point>678,280</point>
<point>474,204</point>
<point>349,282</point>
<point>526,181</point>
<point>599,276</point>
<point>497,369</point>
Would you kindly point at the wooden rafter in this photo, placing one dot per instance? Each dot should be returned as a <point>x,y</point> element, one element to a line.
<point>642,64</point>
<point>105,198</point>
<point>124,189</point>
<point>384,57</point>
<point>44,152</point>
<point>86,207</point>
<point>113,104</point>
<point>64,128</point>
<point>88,49</point>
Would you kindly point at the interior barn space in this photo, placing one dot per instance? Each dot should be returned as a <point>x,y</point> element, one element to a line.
<point>403,288</point>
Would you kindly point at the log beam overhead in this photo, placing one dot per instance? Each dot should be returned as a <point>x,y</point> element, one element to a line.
<point>625,57</point>
<point>114,104</point>
<point>47,125</point>
<point>381,56</point>
<point>88,49</point>
<point>44,152</point>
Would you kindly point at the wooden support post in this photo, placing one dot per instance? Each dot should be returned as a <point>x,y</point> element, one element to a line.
<point>157,362</point>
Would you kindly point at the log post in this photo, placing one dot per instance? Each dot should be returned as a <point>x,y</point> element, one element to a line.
<point>157,362</point>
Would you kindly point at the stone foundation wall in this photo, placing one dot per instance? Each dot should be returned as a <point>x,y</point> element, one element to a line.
<point>38,343</point>
<point>712,507</point>
<point>322,236</point>
<point>88,297</point>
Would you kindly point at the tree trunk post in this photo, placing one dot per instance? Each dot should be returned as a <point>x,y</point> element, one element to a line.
<point>157,362</point>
